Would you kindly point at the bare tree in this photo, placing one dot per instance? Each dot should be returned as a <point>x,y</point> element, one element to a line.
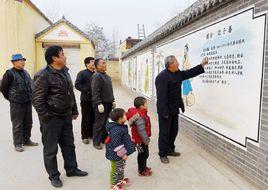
<point>104,47</point>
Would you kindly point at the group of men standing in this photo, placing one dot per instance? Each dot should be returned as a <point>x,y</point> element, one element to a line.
<point>97,100</point>
<point>53,98</point>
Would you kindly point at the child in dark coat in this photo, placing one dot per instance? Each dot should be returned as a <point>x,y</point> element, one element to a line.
<point>141,132</point>
<point>118,147</point>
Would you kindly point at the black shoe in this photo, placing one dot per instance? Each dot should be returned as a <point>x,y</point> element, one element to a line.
<point>78,173</point>
<point>175,154</point>
<point>19,148</point>
<point>56,183</point>
<point>164,159</point>
<point>30,143</point>
<point>97,146</point>
<point>85,141</point>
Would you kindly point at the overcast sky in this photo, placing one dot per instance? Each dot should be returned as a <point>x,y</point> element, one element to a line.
<point>119,18</point>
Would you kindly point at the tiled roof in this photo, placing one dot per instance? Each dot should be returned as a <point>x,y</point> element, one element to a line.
<point>197,9</point>
<point>64,20</point>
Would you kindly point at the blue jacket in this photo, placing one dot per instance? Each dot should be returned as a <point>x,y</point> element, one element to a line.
<point>119,136</point>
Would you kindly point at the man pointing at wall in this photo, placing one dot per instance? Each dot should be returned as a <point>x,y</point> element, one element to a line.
<point>169,102</point>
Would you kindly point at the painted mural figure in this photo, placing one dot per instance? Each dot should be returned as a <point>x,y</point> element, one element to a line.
<point>187,90</point>
<point>160,62</point>
<point>139,79</point>
<point>146,85</point>
<point>129,73</point>
<point>135,74</point>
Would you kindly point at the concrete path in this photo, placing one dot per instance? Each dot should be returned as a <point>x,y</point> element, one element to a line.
<point>194,170</point>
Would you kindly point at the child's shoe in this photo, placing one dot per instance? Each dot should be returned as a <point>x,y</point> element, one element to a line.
<point>118,186</point>
<point>126,182</point>
<point>145,173</point>
<point>149,170</point>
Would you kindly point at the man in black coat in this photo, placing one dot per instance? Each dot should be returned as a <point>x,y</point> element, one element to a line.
<point>169,102</point>
<point>83,84</point>
<point>16,88</point>
<point>103,102</point>
<point>54,101</point>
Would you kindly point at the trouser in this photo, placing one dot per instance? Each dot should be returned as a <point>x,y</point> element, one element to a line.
<point>87,120</point>
<point>168,130</point>
<point>117,171</point>
<point>54,132</point>
<point>99,131</point>
<point>143,155</point>
<point>21,118</point>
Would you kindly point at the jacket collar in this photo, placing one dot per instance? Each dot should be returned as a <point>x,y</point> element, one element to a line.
<point>103,73</point>
<point>144,111</point>
<point>90,71</point>
<point>52,70</point>
<point>133,111</point>
<point>168,71</point>
<point>18,70</point>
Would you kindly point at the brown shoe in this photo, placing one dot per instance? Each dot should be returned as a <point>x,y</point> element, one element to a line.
<point>175,154</point>
<point>30,143</point>
<point>97,146</point>
<point>77,172</point>
<point>164,159</point>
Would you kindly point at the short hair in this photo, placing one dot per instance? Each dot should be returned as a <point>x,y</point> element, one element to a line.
<point>168,60</point>
<point>88,59</point>
<point>51,52</point>
<point>97,61</point>
<point>116,114</point>
<point>139,101</point>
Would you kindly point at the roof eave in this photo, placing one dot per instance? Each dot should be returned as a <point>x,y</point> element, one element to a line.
<point>195,11</point>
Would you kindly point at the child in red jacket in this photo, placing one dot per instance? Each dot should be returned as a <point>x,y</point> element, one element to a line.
<point>141,132</point>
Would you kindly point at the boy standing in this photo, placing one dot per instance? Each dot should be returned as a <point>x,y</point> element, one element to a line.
<point>118,147</point>
<point>141,132</point>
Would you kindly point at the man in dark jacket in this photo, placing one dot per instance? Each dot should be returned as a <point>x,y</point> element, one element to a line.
<point>54,101</point>
<point>103,101</point>
<point>83,84</point>
<point>169,102</point>
<point>16,88</point>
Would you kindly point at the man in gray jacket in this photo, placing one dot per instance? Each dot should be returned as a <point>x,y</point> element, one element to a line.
<point>103,101</point>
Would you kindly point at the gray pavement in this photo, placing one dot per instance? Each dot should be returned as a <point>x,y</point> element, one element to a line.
<point>194,170</point>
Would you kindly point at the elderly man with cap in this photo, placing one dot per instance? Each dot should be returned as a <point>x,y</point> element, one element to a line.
<point>16,88</point>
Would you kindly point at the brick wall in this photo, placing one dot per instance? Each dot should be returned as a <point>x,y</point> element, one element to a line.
<point>252,161</point>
